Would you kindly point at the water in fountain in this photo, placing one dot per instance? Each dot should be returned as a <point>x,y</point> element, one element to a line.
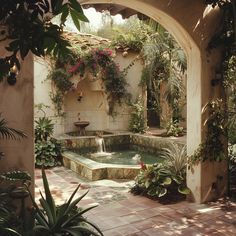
<point>101,151</point>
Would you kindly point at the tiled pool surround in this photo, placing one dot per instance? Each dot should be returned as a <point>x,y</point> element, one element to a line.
<point>93,170</point>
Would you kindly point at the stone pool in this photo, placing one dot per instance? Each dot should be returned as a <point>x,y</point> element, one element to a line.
<point>122,161</point>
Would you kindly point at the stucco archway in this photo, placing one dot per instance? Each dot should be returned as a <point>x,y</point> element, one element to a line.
<point>173,16</point>
<point>192,24</point>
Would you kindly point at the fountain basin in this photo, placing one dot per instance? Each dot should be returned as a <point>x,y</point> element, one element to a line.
<point>81,126</point>
<point>93,170</point>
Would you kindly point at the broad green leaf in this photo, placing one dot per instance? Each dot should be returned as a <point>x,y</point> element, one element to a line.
<point>184,190</point>
<point>161,191</point>
<point>166,181</point>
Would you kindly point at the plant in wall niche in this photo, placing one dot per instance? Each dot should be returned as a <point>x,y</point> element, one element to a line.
<point>138,123</point>
<point>212,149</point>
<point>100,62</point>
<point>47,149</point>
<point>164,180</point>
<point>65,219</point>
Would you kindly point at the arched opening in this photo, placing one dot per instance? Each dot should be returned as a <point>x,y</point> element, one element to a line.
<point>194,76</point>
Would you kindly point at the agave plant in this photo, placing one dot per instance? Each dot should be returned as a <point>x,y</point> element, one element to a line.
<point>62,220</point>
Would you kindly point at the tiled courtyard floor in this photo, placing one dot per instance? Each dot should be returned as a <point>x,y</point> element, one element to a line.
<point>121,213</point>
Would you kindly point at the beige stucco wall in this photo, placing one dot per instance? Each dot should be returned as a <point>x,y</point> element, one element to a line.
<point>42,89</point>
<point>93,106</point>
<point>16,106</point>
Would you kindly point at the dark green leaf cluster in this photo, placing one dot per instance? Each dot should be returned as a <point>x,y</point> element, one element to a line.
<point>12,224</point>
<point>61,80</point>
<point>30,28</point>
<point>47,149</point>
<point>159,180</point>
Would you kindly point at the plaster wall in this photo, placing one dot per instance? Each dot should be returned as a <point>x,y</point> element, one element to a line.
<point>16,106</point>
<point>93,106</point>
<point>42,89</point>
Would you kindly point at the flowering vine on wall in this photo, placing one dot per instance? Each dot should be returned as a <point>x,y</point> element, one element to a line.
<point>99,64</point>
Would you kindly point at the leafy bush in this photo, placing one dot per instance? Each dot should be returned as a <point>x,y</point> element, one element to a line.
<point>164,179</point>
<point>138,123</point>
<point>65,219</point>
<point>48,153</point>
<point>173,129</point>
<point>43,129</point>
<point>47,149</point>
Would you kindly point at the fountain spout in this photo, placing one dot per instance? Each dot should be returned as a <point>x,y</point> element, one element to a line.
<point>101,148</point>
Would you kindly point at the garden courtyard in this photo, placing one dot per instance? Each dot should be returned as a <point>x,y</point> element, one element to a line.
<point>121,213</point>
<point>118,118</point>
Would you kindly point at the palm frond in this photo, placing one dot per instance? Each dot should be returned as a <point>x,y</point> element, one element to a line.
<point>7,132</point>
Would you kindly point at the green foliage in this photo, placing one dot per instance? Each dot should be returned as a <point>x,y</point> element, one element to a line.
<point>173,129</point>
<point>212,148</point>
<point>47,149</point>
<point>138,123</point>
<point>43,129</point>
<point>30,27</point>
<point>98,62</point>
<point>12,224</point>
<point>48,153</point>
<point>166,179</point>
<point>175,157</point>
<point>61,80</point>
<point>58,100</point>
<point>132,36</point>
<point>65,219</point>
<point>9,133</point>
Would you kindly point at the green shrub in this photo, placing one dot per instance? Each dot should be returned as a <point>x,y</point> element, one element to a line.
<point>48,153</point>
<point>47,149</point>
<point>138,123</point>
<point>173,129</point>
<point>164,179</point>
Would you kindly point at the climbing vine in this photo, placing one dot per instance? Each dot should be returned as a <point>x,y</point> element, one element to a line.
<point>97,62</point>
<point>212,148</point>
<point>221,121</point>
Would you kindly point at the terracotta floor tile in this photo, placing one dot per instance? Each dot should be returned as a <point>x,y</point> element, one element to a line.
<point>120,213</point>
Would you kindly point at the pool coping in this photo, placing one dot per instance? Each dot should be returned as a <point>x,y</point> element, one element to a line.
<point>93,170</point>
